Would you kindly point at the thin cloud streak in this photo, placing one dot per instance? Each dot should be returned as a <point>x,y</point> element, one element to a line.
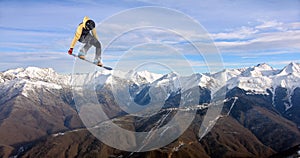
<point>267,36</point>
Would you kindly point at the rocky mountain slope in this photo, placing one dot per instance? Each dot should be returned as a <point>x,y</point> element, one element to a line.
<point>39,113</point>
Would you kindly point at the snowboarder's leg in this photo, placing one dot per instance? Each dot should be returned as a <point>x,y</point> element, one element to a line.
<point>87,45</point>
<point>98,51</point>
<point>89,41</point>
<point>85,48</point>
<point>97,44</point>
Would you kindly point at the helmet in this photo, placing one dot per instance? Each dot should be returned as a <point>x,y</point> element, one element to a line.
<point>90,24</point>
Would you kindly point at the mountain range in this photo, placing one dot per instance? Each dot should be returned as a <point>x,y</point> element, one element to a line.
<point>40,114</point>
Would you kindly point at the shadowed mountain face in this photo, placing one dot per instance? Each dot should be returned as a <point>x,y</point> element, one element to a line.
<point>39,116</point>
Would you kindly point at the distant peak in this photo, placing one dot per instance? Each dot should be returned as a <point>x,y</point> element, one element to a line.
<point>31,73</point>
<point>172,74</point>
<point>290,68</point>
<point>264,66</point>
<point>32,68</point>
<point>169,75</point>
<point>293,64</point>
<point>143,75</point>
<point>29,69</point>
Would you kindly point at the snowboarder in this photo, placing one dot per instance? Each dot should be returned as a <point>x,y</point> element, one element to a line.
<point>83,35</point>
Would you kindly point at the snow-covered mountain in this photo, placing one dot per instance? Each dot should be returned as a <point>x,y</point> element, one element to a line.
<point>40,101</point>
<point>25,81</point>
<point>261,79</point>
<point>255,80</point>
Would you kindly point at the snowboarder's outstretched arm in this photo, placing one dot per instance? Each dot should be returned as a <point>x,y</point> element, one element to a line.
<point>76,38</point>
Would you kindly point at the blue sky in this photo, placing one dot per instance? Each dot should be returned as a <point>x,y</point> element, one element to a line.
<point>248,32</point>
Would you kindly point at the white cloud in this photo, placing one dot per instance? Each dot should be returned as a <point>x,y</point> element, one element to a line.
<point>270,35</point>
<point>240,33</point>
<point>271,25</point>
<point>293,26</point>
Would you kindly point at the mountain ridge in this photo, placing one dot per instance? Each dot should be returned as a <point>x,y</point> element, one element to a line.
<point>256,79</point>
<point>259,71</point>
<point>40,103</point>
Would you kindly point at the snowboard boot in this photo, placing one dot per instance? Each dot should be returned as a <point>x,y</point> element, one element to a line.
<point>81,55</point>
<point>98,63</point>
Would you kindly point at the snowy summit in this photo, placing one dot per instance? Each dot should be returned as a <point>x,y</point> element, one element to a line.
<point>256,79</point>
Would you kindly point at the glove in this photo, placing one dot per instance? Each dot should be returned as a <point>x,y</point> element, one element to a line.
<point>70,51</point>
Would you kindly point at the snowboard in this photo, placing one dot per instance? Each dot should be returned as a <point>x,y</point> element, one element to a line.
<point>105,67</point>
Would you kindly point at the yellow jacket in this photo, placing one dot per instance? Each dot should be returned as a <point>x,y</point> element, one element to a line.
<point>79,32</point>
